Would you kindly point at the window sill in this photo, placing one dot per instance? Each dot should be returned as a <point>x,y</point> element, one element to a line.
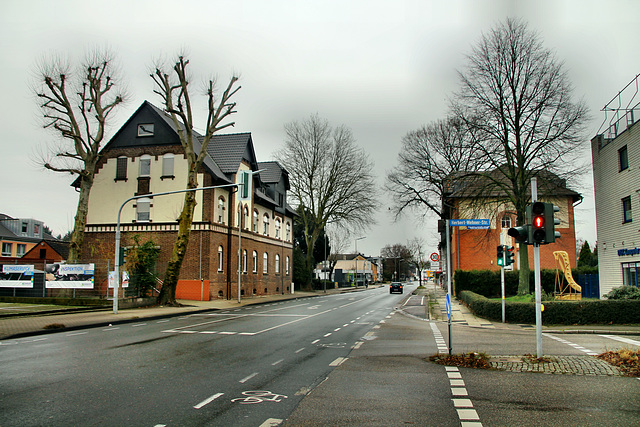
<point>120,179</point>
<point>163,177</point>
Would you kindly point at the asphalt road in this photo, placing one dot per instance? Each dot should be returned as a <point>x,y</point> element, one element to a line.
<point>249,366</point>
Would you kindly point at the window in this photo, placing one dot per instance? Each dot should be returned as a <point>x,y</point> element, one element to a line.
<point>255,261</point>
<point>288,232</point>
<point>146,129</point>
<point>167,166</point>
<point>623,157</point>
<point>143,208</point>
<point>246,217</point>
<point>265,221</point>
<point>7,249</point>
<point>278,226</point>
<point>220,258</point>
<point>506,221</point>
<point>145,166</point>
<point>121,169</point>
<point>244,261</point>
<point>255,221</point>
<point>21,249</point>
<point>630,274</point>
<point>626,209</point>
<point>277,263</point>
<point>221,210</point>
<point>286,266</point>
<point>25,228</point>
<point>281,200</point>
<point>265,263</point>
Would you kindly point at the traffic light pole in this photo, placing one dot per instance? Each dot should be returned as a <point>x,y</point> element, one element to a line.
<point>538,290</point>
<point>502,285</point>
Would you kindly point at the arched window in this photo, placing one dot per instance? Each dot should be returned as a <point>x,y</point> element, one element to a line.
<point>220,258</point>
<point>286,266</point>
<point>278,227</point>
<point>277,264</point>
<point>265,221</point>
<point>255,261</point>
<point>265,263</point>
<point>221,210</point>
<point>145,165</point>
<point>288,232</point>
<point>244,261</point>
<point>255,221</point>
<point>246,218</point>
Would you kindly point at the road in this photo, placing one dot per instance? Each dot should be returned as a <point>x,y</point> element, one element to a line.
<point>249,366</point>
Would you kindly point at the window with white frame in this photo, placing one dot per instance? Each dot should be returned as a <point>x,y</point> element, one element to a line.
<point>167,165</point>
<point>265,222</point>
<point>220,258</point>
<point>21,249</point>
<point>288,230</point>
<point>244,261</point>
<point>7,248</point>
<point>246,218</point>
<point>145,166</point>
<point>277,263</point>
<point>265,263</point>
<point>255,221</point>
<point>278,227</point>
<point>506,221</point>
<point>286,265</point>
<point>221,210</point>
<point>143,210</point>
<point>255,261</point>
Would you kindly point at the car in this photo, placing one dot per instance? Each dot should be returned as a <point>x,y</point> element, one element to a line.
<point>395,287</point>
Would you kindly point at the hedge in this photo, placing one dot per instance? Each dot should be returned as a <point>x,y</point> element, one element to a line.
<point>556,312</point>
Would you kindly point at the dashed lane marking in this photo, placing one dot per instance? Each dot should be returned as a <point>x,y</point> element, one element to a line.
<point>208,400</point>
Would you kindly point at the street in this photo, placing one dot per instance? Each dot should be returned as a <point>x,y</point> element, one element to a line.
<point>341,359</point>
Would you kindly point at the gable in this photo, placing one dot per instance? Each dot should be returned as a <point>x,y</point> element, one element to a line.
<point>230,150</point>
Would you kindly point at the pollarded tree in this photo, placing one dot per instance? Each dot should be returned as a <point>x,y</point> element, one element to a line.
<point>529,123</point>
<point>173,87</point>
<point>78,106</point>
<point>330,177</point>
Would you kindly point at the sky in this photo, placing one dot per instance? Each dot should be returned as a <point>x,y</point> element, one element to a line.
<point>381,68</point>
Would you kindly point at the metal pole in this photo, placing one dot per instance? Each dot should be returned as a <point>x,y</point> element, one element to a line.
<point>502,286</point>
<point>538,287</point>
<point>239,249</point>
<point>117,251</point>
<point>449,279</point>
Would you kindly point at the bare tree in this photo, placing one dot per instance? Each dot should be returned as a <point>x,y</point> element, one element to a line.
<point>399,254</point>
<point>173,88</point>
<point>529,124</point>
<point>330,177</point>
<point>78,106</point>
<point>427,158</point>
<point>419,255</point>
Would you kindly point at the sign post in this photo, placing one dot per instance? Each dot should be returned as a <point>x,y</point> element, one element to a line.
<point>449,321</point>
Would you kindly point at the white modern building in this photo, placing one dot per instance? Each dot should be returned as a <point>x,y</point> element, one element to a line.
<point>616,175</point>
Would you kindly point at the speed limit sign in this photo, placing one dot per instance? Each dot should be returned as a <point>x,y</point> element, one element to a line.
<point>434,257</point>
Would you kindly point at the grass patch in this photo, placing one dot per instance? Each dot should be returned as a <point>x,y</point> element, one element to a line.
<point>628,361</point>
<point>466,360</point>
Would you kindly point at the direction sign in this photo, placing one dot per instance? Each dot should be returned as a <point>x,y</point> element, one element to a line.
<point>472,224</point>
<point>448,306</point>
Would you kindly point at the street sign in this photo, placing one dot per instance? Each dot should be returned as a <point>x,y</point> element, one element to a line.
<point>448,306</point>
<point>471,224</point>
<point>434,257</point>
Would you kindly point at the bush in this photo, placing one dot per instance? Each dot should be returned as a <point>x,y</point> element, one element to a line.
<point>624,293</point>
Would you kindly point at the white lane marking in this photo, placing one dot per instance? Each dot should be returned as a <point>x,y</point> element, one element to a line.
<point>456,383</point>
<point>38,339</point>
<point>326,335</point>
<point>208,400</point>
<point>345,325</point>
<point>299,350</point>
<point>245,379</point>
<point>115,328</point>
<point>338,361</point>
<point>459,391</point>
<point>357,345</point>
<point>569,343</point>
<point>313,342</point>
<point>468,415</point>
<point>454,375</point>
<point>462,403</point>
<point>138,325</point>
<point>277,362</point>
<point>622,339</point>
<point>163,321</point>
<point>76,333</point>
<point>271,422</point>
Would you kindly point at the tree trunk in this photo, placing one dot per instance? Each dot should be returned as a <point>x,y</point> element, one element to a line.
<point>77,236</point>
<point>168,291</point>
<point>523,277</point>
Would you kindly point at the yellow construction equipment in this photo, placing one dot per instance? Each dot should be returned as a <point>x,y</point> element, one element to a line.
<point>566,287</point>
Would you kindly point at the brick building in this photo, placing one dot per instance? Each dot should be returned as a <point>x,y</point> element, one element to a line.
<point>145,157</point>
<point>475,249</point>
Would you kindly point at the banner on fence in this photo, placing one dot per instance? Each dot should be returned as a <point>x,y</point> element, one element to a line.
<point>69,276</point>
<point>16,276</point>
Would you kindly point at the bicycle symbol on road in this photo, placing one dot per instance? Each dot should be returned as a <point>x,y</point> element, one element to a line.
<point>259,396</point>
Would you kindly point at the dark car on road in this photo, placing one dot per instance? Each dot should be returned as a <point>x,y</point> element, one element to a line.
<point>395,287</point>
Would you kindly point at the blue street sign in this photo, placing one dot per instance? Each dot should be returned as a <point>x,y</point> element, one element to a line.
<point>472,224</point>
<point>448,306</point>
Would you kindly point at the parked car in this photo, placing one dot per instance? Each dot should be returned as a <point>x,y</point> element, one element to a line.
<point>395,287</point>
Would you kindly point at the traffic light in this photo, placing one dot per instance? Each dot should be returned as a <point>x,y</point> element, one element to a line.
<point>520,233</point>
<point>509,252</point>
<point>538,230</point>
<point>500,255</point>
<point>552,221</point>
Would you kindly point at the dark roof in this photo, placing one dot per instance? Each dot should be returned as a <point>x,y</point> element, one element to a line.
<point>229,150</point>
<point>273,173</point>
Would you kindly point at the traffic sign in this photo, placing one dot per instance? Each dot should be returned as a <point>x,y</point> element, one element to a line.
<point>448,306</point>
<point>434,257</point>
<point>472,224</point>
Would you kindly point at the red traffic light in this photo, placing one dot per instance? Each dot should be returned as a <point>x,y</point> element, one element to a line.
<point>538,221</point>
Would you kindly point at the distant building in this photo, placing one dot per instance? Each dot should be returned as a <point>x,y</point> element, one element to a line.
<point>145,157</point>
<point>475,249</point>
<point>20,235</point>
<point>616,176</point>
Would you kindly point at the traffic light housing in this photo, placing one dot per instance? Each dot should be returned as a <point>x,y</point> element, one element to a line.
<point>538,230</point>
<point>549,212</point>
<point>520,233</point>
<point>509,253</point>
<point>500,255</point>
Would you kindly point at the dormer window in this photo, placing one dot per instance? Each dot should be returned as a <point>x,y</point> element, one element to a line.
<point>145,129</point>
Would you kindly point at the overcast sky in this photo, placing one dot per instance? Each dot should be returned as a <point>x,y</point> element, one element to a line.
<point>382,68</point>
